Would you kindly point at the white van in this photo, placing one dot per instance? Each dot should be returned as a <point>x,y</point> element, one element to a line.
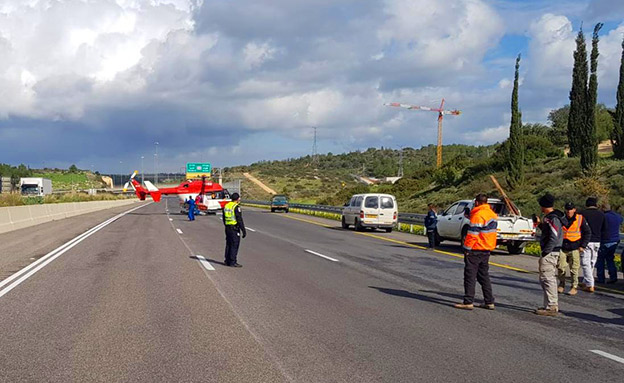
<point>371,210</point>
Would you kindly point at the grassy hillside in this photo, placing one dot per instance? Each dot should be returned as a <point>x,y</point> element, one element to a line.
<point>465,173</point>
<point>67,180</point>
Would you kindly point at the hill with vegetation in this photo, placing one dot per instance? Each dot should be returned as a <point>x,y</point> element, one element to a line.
<point>332,178</point>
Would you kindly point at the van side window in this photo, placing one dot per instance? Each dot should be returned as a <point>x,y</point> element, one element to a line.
<point>358,201</point>
<point>371,202</point>
<point>386,203</point>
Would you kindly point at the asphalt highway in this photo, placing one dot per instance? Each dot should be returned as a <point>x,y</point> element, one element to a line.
<point>146,298</point>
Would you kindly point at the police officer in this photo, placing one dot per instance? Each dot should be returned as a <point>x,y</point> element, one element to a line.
<point>234,226</point>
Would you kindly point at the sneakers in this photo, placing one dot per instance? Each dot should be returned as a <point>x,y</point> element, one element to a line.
<point>611,281</point>
<point>588,289</point>
<point>549,312</point>
<point>487,306</point>
<point>560,289</point>
<point>463,306</point>
<point>582,285</point>
<point>236,265</point>
<point>573,291</point>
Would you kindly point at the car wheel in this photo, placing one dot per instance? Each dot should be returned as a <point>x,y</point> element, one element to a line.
<point>358,226</point>
<point>389,230</point>
<point>344,223</point>
<point>272,210</point>
<point>464,234</point>
<point>515,247</point>
<point>286,211</point>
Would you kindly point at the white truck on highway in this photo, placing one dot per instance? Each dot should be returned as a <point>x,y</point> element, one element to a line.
<point>514,231</point>
<point>35,187</point>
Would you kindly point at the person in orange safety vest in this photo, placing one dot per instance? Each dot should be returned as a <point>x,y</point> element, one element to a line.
<point>576,236</point>
<point>479,242</point>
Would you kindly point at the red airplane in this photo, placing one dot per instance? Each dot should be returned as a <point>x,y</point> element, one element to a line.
<point>212,196</point>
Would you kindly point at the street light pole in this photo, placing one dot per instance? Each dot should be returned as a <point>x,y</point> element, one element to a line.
<point>156,164</point>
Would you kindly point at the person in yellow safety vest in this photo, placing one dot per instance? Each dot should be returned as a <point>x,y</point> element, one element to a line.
<point>479,242</point>
<point>234,227</point>
<point>576,235</point>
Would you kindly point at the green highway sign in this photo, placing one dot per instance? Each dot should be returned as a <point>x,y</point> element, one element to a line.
<point>198,167</point>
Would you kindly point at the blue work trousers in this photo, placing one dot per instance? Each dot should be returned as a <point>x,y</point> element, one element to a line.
<point>606,254</point>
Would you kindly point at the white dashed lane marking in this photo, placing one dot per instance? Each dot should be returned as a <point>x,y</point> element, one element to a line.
<point>179,231</point>
<point>321,255</point>
<point>205,262</point>
<point>607,355</point>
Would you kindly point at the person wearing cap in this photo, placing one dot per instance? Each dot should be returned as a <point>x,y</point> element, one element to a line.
<point>431,225</point>
<point>551,242</point>
<point>576,234</point>
<point>480,241</point>
<point>596,220</point>
<point>608,245</point>
<point>234,227</point>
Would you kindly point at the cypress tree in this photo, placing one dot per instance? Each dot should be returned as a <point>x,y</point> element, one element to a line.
<point>617,137</point>
<point>515,170</point>
<point>578,95</point>
<point>589,148</point>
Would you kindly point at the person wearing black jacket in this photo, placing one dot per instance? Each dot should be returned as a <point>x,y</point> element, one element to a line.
<point>551,242</point>
<point>431,225</point>
<point>596,220</point>
<point>576,235</point>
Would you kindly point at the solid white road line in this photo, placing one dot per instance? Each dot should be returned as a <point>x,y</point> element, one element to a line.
<point>31,269</point>
<point>321,255</point>
<point>205,262</point>
<point>250,229</point>
<point>607,355</point>
<point>179,231</point>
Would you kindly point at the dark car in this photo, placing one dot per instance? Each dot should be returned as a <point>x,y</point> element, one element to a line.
<point>279,202</point>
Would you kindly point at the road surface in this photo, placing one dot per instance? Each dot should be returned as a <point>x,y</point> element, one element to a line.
<point>145,298</point>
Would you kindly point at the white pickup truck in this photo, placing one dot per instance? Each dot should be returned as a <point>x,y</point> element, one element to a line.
<point>514,231</point>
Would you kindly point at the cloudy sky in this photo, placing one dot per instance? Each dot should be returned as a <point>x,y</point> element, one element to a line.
<point>98,82</point>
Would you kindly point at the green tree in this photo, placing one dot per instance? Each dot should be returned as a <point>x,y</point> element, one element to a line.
<point>73,169</point>
<point>617,137</point>
<point>559,122</point>
<point>515,166</point>
<point>577,117</point>
<point>589,147</point>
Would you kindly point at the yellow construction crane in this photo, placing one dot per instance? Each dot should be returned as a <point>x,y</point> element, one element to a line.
<point>441,113</point>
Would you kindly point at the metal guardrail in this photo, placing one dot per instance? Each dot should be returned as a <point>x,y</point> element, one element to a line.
<point>407,218</point>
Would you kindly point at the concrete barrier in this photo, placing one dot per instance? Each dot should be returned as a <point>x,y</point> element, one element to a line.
<point>19,217</point>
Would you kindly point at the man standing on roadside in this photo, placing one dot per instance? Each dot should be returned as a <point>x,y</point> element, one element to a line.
<point>431,225</point>
<point>610,242</point>
<point>596,220</point>
<point>234,226</point>
<point>480,241</point>
<point>551,241</point>
<point>576,234</point>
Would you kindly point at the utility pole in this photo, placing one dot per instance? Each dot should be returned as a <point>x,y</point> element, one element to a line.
<point>314,149</point>
<point>156,164</point>
<point>142,176</point>
<point>400,163</point>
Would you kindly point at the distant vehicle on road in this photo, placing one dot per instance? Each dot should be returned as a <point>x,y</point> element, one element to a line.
<point>377,211</point>
<point>280,202</point>
<point>514,231</point>
<point>35,187</point>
